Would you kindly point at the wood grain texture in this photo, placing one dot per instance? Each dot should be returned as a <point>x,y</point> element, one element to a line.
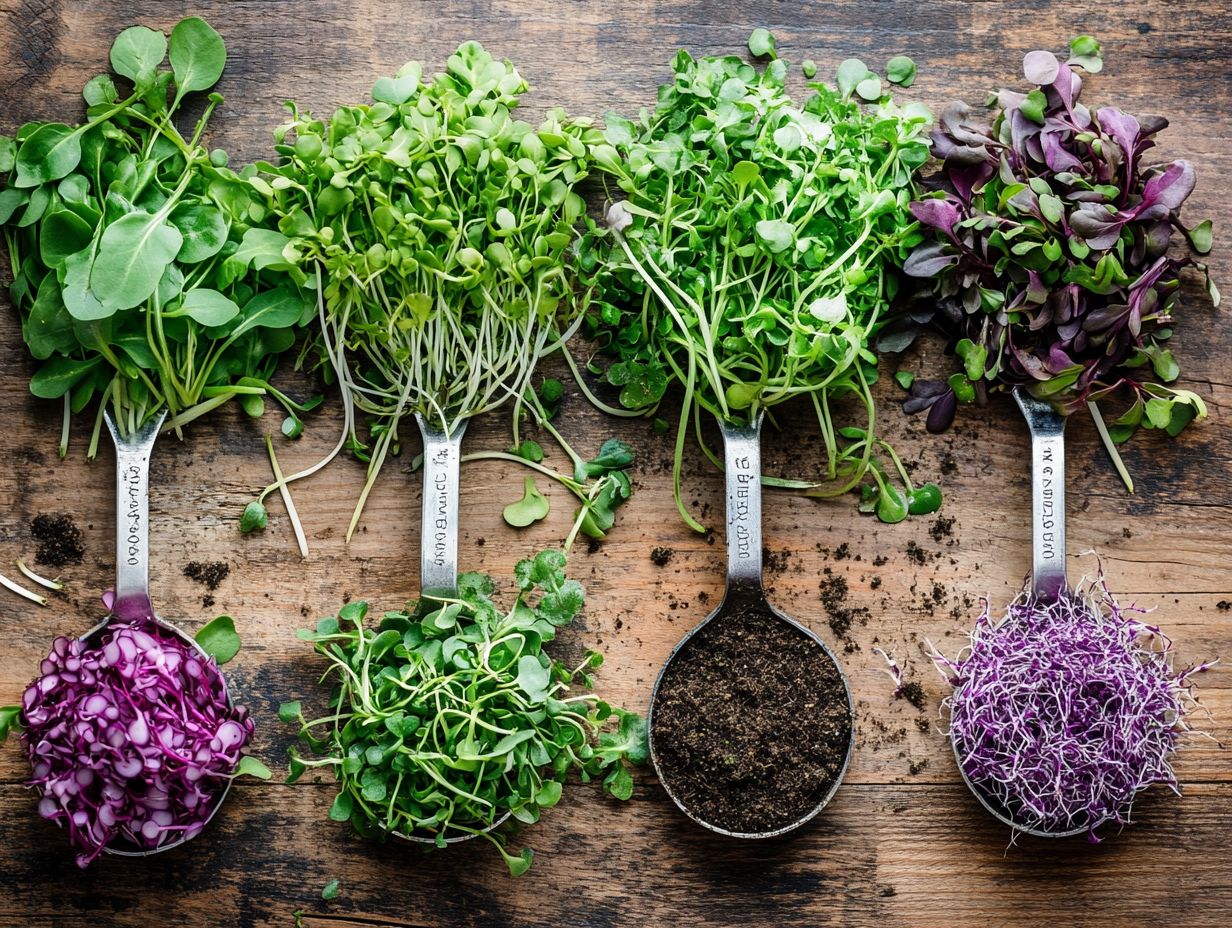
<point>896,848</point>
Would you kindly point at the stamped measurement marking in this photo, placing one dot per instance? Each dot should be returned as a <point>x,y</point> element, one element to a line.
<point>1047,503</point>
<point>740,506</point>
<point>440,507</point>
<point>133,492</point>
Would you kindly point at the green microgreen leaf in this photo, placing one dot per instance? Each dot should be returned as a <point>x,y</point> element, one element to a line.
<point>761,44</point>
<point>218,639</point>
<point>198,56</point>
<point>532,507</point>
<point>901,70</point>
<point>250,766</point>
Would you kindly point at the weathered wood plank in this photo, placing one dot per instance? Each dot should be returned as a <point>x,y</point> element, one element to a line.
<point>883,856</point>
<point>896,847</point>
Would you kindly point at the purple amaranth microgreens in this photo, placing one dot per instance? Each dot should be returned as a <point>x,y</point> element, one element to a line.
<point>1048,260</point>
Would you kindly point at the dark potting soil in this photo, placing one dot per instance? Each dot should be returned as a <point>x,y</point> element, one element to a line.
<point>59,540</point>
<point>751,723</point>
<point>208,573</point>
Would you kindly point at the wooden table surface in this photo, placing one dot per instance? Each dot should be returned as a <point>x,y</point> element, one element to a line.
<point>903,843</point>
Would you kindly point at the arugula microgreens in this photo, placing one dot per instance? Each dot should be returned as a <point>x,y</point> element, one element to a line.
<point>441,226</point>
<point>141,271</point>
<point>448,716</point>
<point>752,257</point>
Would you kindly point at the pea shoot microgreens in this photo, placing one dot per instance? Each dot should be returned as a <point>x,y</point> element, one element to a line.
<point>441,226</point>
<point>448,716</point>
<point>142,271</point>
<point>751,256</point>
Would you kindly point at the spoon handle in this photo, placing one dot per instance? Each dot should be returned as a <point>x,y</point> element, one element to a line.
<point>742,469</point>
<point>132,584</point>
<point>1047,428</point>
<point>438,541</point>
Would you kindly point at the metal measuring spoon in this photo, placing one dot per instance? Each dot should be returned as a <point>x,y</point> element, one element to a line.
<point>131,598</point>
<point>742,473</point>
<point>1048,584</point>
<point>438,540</point>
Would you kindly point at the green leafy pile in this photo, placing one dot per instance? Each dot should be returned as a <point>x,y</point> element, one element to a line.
<point>441,226</point>
<point>141,269</point>
<point>753,256</point>
<point>449,717</point>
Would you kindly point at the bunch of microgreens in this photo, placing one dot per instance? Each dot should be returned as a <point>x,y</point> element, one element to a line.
<point>141,271</point>
<point>753,255</point>
<point>1061,713</point>
<point>441,227</point>
<point>1049,261</point>
<point>449,716</point>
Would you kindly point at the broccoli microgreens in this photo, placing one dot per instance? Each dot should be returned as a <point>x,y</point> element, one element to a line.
<point>752,257</point>
<point>1049,259</point>
<point>141,271</point>
<point>448,716</point>
<point>441,227</point>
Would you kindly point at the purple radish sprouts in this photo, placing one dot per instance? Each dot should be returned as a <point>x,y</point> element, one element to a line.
<point>1062,713</point>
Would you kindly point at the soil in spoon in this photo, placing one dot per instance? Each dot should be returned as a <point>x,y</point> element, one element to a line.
<point>751,723</point>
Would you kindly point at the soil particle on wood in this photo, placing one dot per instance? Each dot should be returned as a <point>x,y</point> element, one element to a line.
<point>913,693</point>
<point>750,723</point>
<point>942,528</point>
<point>660,555</point>
<point>59,540</point>
<point>208,573</point>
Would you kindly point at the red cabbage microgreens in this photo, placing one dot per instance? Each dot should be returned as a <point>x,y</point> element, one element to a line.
<point>1048,255</point>
<point>1063,713</point>
<point>131,741</point>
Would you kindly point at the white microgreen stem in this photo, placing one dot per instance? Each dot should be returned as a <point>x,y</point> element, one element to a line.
<point>22,591</point>
<point>41,581</point>
<point>285,490</point>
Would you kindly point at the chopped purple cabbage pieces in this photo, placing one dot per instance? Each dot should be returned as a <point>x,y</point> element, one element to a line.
<point>131,740</point>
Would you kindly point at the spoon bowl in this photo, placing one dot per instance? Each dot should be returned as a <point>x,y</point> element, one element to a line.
<point>745,595</point>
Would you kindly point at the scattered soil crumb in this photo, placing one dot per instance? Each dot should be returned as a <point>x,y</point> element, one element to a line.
<point>659,555</point>
<point>875,583</point>
<point>1126,533</point>
<point>942,528</point>
<point>208,573</point>
<point>842,552</point>
<point>916,767</point>
<point>1223,605</point>
<point>59,540</point>
<point>775,562</point>
<point>922,725</point>
<point>915,553</point>
<point>949,466</point>
<point>913,693</point>
<point>880,560</point>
